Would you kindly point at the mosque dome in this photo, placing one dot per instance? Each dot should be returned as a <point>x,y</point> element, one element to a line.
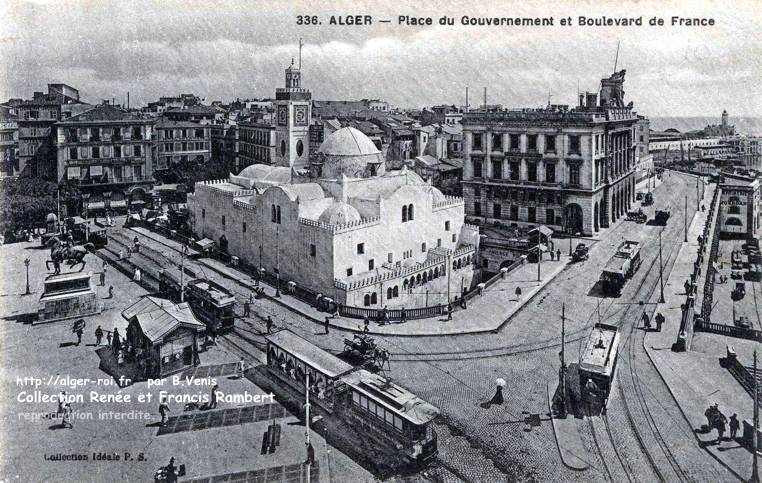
<point>351,153</point>
<point>339,213</point>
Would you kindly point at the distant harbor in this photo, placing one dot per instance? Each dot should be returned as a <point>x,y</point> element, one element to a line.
<point>751,126</point>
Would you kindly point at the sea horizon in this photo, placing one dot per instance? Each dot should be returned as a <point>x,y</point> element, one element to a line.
<point>749,125</point>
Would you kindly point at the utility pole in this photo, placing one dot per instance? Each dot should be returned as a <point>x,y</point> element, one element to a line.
<point>539,257</point>
<point>307,422</point>
<point>562,372</point>
<point>698,198</point>
<point>755,438</point>
<point>661,274</point>
<point>449,270</point>
<point>685,220</point>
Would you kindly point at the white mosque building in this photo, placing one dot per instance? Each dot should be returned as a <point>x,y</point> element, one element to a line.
<point>349,230</point>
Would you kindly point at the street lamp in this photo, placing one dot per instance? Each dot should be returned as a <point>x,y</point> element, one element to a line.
<point>26,264</point>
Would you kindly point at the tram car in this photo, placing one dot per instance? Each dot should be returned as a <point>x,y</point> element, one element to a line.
<point>621,267</point>
<point>385,417</point>
<point>597,364</point>
<point>212,303</point>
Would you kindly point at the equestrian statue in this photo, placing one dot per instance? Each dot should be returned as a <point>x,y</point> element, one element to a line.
<point>64,251</point>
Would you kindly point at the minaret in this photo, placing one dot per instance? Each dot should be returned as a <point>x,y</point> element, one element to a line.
<point>724,120</point>
<point>293,113</point>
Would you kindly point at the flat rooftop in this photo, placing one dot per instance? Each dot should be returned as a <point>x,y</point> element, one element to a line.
<point>599,347</point>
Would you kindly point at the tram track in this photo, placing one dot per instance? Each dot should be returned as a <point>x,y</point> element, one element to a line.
<point>634,382</point>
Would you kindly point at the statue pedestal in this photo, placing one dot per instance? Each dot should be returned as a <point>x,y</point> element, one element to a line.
<point>67,296</point>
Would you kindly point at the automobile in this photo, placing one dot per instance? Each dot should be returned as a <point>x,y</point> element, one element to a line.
<point>742,322</point>
<point>637,216</point>
<point>580,253</point>
<point>736,273</point>
<point>661,217</point>
<point>740,290</point>
<point>639,196</point>
<point>648,199</point>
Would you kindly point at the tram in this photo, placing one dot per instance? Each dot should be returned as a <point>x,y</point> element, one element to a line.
<point>597,364</point>
<point>212,303</point>
<point>621,267</point>
<point>394,419</point>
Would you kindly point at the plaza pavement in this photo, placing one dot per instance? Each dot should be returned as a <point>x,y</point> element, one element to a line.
<point>48,350</point>
<point>696,379</point>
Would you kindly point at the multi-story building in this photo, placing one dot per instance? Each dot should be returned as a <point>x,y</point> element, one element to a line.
<point>182,141</point>
<point>749,149</point>
<point>740,214</point>
<point>106,153</point>
<point>9,143</point>
<point>256,143</point>
<point>36,116</point>
<point>569,169</point>
<point>225,144</point>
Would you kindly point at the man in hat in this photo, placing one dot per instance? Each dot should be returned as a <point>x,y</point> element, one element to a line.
<point>269,324</point>
<point>98,335</point>
<point>163,410</point>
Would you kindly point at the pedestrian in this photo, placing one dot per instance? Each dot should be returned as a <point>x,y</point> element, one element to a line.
<point>117,343</point>
<point>269,324</point>
<point>687,287</point>
<point>108,338</point>
<point>325,324</point>
<point>213,333</point>
<point>317,300</point>
<point>518,293</point>
<point>337,311</point>
<point>241,368</point>
<point>163,410</point>
<point>449,311</point>
<point>103,277</point>
<point>703,208</point>
<point>121,254</point>
<point>310,455</point>
<point>79,334</point>
<point>720,425</point>
<point>110,291</point>
<point>551,255</point>
<point>403,315</point>
<point>366,323</point>
<point>558,254</point>
<point>137,245</point>
<point>385,315</point>
<point>136,278</point>
<point>646,321</point>
<point>213,397</point>
<point>98,335</point>
<point>463,303</point>
<point>61,403</point>
<point>659,321</point>
<point>66,421</point>
<point>170,472</point>
<point>246,310</point>
<point>734,426</point>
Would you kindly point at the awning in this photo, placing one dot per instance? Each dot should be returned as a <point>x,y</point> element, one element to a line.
<point>118,204</point>
<point>96,205</point>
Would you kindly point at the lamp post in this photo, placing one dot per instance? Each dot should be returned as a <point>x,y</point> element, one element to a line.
<point>661,274</point>
<point>26,264</point>
<point>698,198</point>
<point>562,370</point>
<point>277,260</point>
<point>570,243</point>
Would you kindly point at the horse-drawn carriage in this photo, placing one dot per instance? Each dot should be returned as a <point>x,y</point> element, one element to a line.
<point>362,350</point>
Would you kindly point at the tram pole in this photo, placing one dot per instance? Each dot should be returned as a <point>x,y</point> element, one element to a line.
<point>307,422</point>
<point>562,372</point>
<point>661,274</point>
<point>277,260</point>
<point>685,221</point>
<point>539,258</point>
<point>182,274</point>
<point>755,438</point>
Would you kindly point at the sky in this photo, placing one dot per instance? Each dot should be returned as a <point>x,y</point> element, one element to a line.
<point>223,50</point>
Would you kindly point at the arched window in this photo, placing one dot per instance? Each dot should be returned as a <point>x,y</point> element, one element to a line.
<point>299,148</point>
<point>425,277</point>
<point>404,214</point>
<point>389,293</point>
<point>410,212</point>
<point>431,274</point>
<point>373,298</point>
<point>404,284</point>
<point>460,263</point>
<point>272,213</point>
<point>283,148</point>
<point>454,264</point>
<point>277,212</point>
<point>412,281</point>
<point>396,291</point>
<point>436,272</point>
<point>366,300</point>
<point>418,278</point>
